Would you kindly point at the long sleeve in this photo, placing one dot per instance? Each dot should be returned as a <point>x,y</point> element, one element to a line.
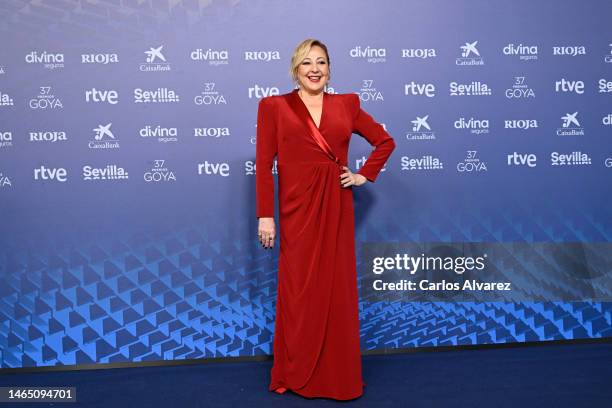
<point>364,125</point>
<point>265,151</point>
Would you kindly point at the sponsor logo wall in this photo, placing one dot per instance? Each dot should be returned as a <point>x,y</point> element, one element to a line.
<point>127,175</point>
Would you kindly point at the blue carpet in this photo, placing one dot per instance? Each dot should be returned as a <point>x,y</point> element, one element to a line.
<point>578,375</point>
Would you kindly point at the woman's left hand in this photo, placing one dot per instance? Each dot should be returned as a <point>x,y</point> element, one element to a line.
<point>348,178</point>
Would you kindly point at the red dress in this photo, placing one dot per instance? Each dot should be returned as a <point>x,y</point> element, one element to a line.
<point>316,333</point>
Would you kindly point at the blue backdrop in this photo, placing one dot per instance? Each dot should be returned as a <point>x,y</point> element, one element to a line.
<point>127,150</point>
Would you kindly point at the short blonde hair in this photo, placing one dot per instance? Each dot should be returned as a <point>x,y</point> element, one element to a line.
<point>301,51</point>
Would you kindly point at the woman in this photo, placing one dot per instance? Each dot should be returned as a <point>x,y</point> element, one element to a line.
<point>316,340</point>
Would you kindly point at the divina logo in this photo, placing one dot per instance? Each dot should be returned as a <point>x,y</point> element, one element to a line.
<point>48,60</point>
<point>45,100</point>
<point>265,56</point>
<point>428,90</point>
<point>213,57</point>
<point>572,159</point>
<point>419,53</point>
<point>427,162</point>
<point>162,134</point>
<point>51,136</point>
<point>209,96</point>
<point>211,132</point>
<point>570,126</point>
<point>420,130</point>
<point>50,174</point>
<point>523,124</point>
<point>520,90</point>
<point>5,100</point>
<point>523,52</point>
<point>369,93</point>
<point>102,59</point>
<point>6,139</point>
<point>155,61</point>
<point>214,169</point>
<point>475,126</point>
<point>470,55</point>
<point>475,88</point>
<point>259,92</point>
<point>111,172</point>
<point>160,95</point>
<point>370,54</point>
<point>104,138</point>
<point>5,181</point>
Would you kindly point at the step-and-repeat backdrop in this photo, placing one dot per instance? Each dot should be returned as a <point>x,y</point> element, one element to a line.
<point>127,173</point>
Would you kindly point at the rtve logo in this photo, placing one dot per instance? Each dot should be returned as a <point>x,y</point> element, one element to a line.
<point>94,95</point>
<point>214,169</point>
<point>563,85</point>
<point>52,174</point>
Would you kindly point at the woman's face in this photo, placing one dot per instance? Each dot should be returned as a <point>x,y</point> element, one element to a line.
<point>313,71</point>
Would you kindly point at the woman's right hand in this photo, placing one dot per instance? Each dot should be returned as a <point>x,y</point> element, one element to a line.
<point>267,232</point>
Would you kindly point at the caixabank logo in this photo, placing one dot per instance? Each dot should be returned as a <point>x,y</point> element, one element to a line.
<point>570,126</point>
<point>104,138</point>
<point>470,55</point>
<point>155,60</point>
<point>420,130</point>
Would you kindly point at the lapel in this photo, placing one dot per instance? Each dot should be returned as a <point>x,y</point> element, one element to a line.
<point>300,109</point>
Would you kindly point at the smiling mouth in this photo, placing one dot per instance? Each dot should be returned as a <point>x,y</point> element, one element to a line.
<point>315,78</point>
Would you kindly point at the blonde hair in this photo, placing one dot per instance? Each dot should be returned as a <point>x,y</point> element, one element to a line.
<point>300,53</point>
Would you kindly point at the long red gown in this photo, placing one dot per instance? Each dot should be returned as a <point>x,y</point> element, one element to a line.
<point>316,333</point>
